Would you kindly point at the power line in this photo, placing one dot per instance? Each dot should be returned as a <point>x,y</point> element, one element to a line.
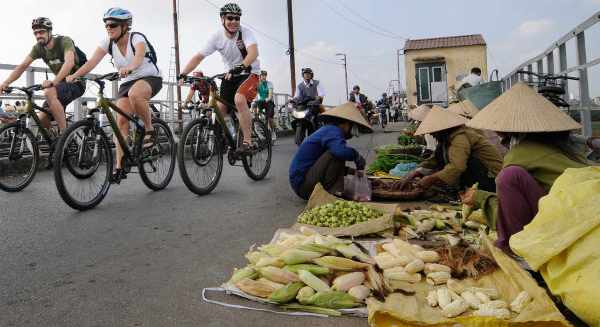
<point>356,23</point>
<point>369,22</point>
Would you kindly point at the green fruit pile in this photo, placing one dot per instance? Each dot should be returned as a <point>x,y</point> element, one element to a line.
<point>339,214</point>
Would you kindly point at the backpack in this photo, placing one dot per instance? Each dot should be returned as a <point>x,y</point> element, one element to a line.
<point>150,54</point>
<point>80,56</point>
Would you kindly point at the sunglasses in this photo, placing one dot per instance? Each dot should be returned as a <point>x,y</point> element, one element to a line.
<point>36,32</point>
<point>232,18</point>
<point>111,25</point>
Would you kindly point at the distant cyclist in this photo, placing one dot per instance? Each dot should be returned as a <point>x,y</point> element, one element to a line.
<point>135,60</point>
<point>63,58</point>
<point>265,101</point>
<point>201,88</point>
<point>237,45</point>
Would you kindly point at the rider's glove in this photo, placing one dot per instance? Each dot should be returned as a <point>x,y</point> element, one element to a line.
<point>238,69</point>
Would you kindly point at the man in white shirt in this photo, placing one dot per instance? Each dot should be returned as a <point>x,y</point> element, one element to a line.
<point>239,50</point>
<point>474,78</point>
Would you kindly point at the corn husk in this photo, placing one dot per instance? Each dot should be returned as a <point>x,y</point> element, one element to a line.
<point>313,281</point>
<point>255,288</point>
<point>246,272</point>
<point>312,268</point>
<point>337,263</point>
<point>347,281</point>
<point>278,275</point>
<point>333,300</point>
<point>295,256</point>
<point>287,293</point>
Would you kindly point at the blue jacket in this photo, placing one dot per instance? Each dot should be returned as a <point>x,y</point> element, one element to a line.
<point>327,138</point>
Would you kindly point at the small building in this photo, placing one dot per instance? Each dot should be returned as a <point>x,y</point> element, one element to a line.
<point>432,66</point>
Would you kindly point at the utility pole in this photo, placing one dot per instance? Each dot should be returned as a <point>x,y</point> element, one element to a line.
<point>291,49</point>
<point>177,68</point>
<point>398,67</point>
<point>345,72</point>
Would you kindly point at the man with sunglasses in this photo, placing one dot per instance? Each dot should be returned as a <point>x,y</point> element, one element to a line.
<point>239,50</point>
<point>62,57</point>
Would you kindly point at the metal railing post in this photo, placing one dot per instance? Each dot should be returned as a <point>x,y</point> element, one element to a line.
<point>562,63</point>
<point>530,77</point>
<point>584,91</point>
<point>29,77</point>
<point>550,62</point>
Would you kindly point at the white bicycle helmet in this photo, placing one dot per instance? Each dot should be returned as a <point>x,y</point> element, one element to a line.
<point>118,14</point>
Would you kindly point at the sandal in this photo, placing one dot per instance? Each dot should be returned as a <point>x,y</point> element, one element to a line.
<point>149,139</point>
<point>118,175</point>
<point>246,148</point>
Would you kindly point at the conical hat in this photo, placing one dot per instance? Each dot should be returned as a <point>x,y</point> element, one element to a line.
<point>465,108</point>
<point>522,110</point>
<point>348,111</point>
<point>439,119</point>
<point>419,113</point>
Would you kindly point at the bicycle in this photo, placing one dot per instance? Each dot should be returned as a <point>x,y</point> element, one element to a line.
<point>205,140</point>
<point>20,147</point>
<point>548,87</point>
<point>92,147</point>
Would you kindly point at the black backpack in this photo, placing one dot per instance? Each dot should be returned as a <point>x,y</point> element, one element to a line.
<point>79,55</point>
<point>150,54</point>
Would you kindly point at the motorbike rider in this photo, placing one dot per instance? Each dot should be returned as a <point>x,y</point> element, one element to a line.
<point>357,97</point>
<point>308,90</point>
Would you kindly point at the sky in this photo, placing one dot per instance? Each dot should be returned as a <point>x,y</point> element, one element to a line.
<point>368,32</point>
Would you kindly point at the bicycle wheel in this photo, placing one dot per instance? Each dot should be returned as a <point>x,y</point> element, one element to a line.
<point>158,163</point>
<point>199,157</point>
<point>19,156</point>
<point>83,147</point>
<point>258,163</point>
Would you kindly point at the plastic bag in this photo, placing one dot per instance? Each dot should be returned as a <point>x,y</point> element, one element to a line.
<point>357,188</point>
<point>403,169</point>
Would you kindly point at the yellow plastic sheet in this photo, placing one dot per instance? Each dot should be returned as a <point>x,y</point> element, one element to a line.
<point>562,241</point>
<point>413,310</point>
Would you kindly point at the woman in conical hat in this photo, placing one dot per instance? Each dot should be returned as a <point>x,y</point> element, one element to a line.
<point>463,156</point>
<point>468,110</point>
<point>322,157</point>
<point>537,134</point>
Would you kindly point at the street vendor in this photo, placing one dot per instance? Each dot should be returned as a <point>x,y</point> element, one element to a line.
<point>537,134</point>
<point>322,157</point>
<point>462,157</point>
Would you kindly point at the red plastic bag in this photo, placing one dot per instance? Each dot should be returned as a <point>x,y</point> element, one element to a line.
<point>357,188</point>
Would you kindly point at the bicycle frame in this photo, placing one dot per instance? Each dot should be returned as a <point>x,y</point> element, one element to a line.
<point>30,109</point>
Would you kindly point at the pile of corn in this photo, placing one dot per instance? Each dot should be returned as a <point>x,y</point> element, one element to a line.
<point>309,272</point>
<point>339,214</point>
<point>404,264</point>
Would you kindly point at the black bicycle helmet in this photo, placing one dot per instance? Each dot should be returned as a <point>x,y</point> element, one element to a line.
<point>356,87</point>
<point>41,23</point>
<point>307,70</point>
<point>231,8</point>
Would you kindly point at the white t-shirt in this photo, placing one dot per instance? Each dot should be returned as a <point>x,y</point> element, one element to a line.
<point>146,69</point>
<point>473,79</point>
<point>228,49</point>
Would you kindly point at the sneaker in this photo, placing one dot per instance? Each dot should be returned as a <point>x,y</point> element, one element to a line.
<point>273,136</point>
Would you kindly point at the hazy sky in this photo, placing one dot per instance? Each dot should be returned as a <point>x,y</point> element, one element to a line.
<point>369,32</point>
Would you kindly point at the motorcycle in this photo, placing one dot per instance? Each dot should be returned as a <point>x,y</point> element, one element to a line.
<point>305,118</point>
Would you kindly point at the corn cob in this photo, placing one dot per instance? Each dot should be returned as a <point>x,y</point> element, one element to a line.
<point>255,288</point>
<point>520,302</point>
<point>337,263</point>
<point>471,299</point>
<point>391,249</point>
<point>278,275</point>
<point>482,297</point>
<point>333,300</point>
<point>437,278</point>
<point>489,312</point>
<point>359,292</point>
<point>491,292</point>
<point>313,281</point>
<point>376,282</point>
<point>246,272</point>
<point>304,294</point>
<point>455,308</point>
<point>428,256</point>
<point>403,276</point>
<point>496,304</point>
<point>443,297</point>
<point>351,251</point>
<point>286,293</point>
<point>294,256</point>
<point>274,250</point>
<point>455,286</point>
<point>385,260</point>
<point>254,256</point>
<point>347,281</point>
<point>432,299</point>
<point>434,267</point>
<point>314,269</point>
<point>405,248</point>
<point>270,261</point>
<point>275,286</point>
<point>312,247</point>
<point>415,266</point>
<point>425,226</point>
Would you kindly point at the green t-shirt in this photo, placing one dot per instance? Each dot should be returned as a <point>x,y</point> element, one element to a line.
<point>55,57</point>
<point>263,89</point>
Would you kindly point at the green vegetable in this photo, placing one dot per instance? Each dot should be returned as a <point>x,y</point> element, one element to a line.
<point>313,269</point>
<point>333,300</point>
<point>286,293</point>
<point>387,161</point>
<point>339,214</point>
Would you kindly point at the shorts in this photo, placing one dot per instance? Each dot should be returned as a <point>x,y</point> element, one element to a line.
<point>245,85</point>
<point>268,106</point>
<point>154,81</point>
<point>67,92</point>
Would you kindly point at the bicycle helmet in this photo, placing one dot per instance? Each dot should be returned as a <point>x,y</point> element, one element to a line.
<point>118,14</point>
<point>263,72</point>
<point>356,87</point>
<point>231,8</point>
<point>41,23</point>
<point>308,71</point>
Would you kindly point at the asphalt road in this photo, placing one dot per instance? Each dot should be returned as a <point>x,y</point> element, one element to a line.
<point>142,258</point>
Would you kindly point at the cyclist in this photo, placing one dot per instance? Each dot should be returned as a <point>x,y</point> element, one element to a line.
<point>63,58</point>
<point>237,45</point>
<point>201,87</point>
<point>265,101</point>
<point>132,56</point>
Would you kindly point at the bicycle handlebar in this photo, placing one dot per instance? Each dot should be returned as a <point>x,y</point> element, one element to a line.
<point>191,79</point>
<point>26,89</point>
<point>547,76</point>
